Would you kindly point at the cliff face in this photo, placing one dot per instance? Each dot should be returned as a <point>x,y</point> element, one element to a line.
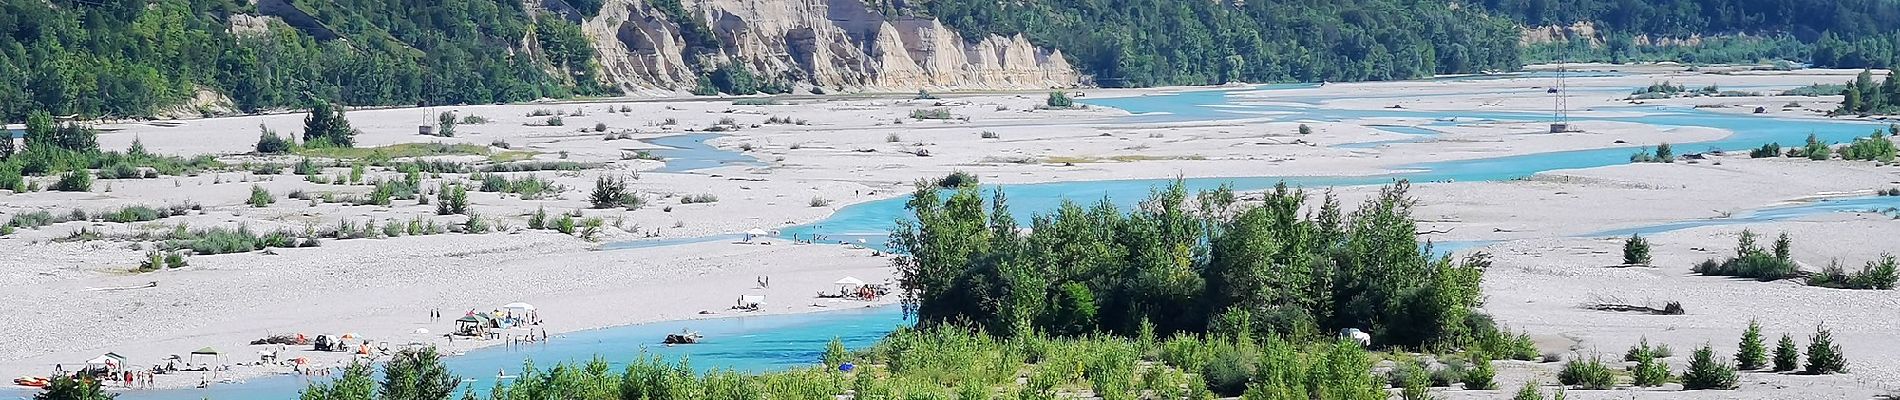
<point>832,44</point>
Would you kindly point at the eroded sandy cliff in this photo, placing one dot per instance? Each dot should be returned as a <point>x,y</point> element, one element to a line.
<point>832,44</point>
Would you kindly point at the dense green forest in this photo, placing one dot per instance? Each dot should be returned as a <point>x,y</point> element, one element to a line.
<point>1188,264</point>
<point>1835,33</point>
<point>135,57</point>
<point>1159,42</point>
<point>1126,43</point>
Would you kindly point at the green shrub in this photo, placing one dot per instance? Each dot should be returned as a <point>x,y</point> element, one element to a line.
<point>1753,262</point>
<point>1824,356</point>
<point>1878,275</point>
<point>1481,374</point>
<point>260,197</point>
<point>78,180</point>
<point>1648,371</point>
<point>1706,373</point>
<point>699,198</point>
<point>268,142</point>
<point>933,113</point>
<point>1752,353</point>
<point>611,192</point>
<point>1058,99</point>
<point>1874,147</point>
<point>451,199</point>
<point>1529,392</point>
<point>1815,149</point>
<point>1787,356</point>
<point>539,219</point>
<point>957,179</point>
<point>1590,375</point>
<point>1635,250</point>
<point>1305,130</point>
<point>565,225</point>
<point>1769,150</point>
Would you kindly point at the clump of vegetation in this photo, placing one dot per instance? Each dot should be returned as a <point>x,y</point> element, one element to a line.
<point>445,124</point>
<point>327,127</point>
<point>1663,154</point>
<point>1705,373</point>
<point>1751,261</point>
<point>260,198</point>
<point>1305,130</point>
<point>1824,357</point>
<point>755,101</point>
<point>1481,374</point>
<point>473,120</point>
<point>538,220</point>
<point>1648,371</point>
<point>554,121</point>
<point>78,180</point>
<point>957,179</point>
<point>1636,250</point>
<point>451,199</point>
<point>991,135</point>
<point>611,192</point>
<point>1530,391</point>
<point>931,113</point>
<point>1059,100</point>
<point>1876,275</point>
<point>1752,354</point>
<point>1787,356</point>
<point>1590,375</point>
<point>1769,150</point>
<point>699,198</point>
<point>1815,149</point>
<point>268,142</point>
<point>820,202</point>
<point>1874,147</point>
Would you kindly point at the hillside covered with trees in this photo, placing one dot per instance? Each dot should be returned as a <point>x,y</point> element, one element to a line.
<point>1843,33</point>
<point>136,57</point>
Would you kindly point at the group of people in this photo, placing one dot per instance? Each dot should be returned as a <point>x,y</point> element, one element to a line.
<point>138,379</point>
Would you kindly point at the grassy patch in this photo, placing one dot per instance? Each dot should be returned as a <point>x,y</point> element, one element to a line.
<point>400,150</point>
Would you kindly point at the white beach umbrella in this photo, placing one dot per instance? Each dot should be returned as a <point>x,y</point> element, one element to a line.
<point>756,232</point>
<point>849,281</point>
<point>518,306</point>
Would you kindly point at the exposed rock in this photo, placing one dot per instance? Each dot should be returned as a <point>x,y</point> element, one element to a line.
<point>834,44</point>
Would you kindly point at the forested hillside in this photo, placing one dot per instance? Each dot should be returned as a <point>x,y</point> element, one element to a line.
<point>134,57</point>
<point>1167,42</point>
<point>1832,33</point>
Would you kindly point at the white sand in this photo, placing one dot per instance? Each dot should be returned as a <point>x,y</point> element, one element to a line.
<point>382,288</point>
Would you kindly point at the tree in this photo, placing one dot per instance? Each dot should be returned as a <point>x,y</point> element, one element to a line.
<point>1753,353</point>
<point>451,199</point>
<point>418,375</point>
<point>326,126</point>
<point>445,124</point>
<point>1824,357</point>
<point>69,388</point>
<point>1706,373</point>
<point>269,143</point>
<point>1058,99</point>
<point>1787,357</point>
<point>354,384</point>
<point>1635,250</point>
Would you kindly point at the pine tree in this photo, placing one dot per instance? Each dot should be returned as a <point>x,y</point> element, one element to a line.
<point>1753,353</point>
<point>1787,357</point>
<point>1824,357</point>
<point>1706,373</point>
<point>1635,251</point>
